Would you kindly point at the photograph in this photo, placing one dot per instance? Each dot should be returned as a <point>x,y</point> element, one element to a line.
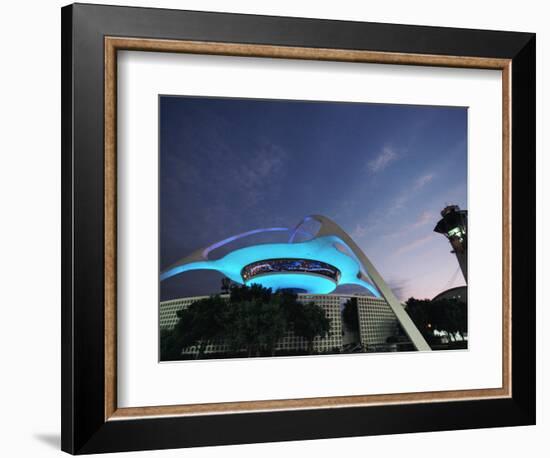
<point>305,228</point>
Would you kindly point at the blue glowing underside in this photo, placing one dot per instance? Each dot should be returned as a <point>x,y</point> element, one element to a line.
<point>310,283</point>
<point>321,249</point>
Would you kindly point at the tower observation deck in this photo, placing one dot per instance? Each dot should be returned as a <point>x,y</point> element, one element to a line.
<point>454,226</point>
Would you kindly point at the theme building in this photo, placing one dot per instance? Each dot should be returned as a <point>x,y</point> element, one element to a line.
<point>327,259</point>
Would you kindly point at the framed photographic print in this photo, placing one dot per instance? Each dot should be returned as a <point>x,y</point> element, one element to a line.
<point>281,228</point>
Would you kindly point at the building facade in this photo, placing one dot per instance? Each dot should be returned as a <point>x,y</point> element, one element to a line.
<point>458,293</point>
<point>376,321</point>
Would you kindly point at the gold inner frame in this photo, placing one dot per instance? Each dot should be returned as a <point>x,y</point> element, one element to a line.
<point>114,44</point>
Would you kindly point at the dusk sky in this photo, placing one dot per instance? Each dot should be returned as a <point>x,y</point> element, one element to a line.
<point>382,172</point>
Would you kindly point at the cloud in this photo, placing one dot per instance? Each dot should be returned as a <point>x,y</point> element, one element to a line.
<point>406,194</point>
<point>424,218</point>
<point>359,231</point>
<point>263,164</point>
<point>423,180</point>
<point>399,287</point>
<point>414,244</point>
<point>212,171</point>
<point>385,158</point>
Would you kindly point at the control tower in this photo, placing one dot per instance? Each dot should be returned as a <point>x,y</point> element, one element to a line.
<point>454,225</point>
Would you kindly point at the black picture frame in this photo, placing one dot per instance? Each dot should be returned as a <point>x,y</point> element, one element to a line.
<point>84,428</point>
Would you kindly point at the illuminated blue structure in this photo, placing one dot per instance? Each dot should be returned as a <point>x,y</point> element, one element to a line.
<point>330,258</point>
<point>287,266</point>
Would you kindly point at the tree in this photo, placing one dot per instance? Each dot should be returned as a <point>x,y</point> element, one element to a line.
<point>289,304</point>
<point>257,320</point>
<point>306,320</point>
<point>311,322</point>
<point>255,292</point>
<point>456,315</point>
<point>226,285</point>
<point>253,319</point>
<point>169,350</point>
<point>202,323</point>
<point>350,315</point>
<point>418,310</point>
<point>447,315</point>
<point>256,326</point>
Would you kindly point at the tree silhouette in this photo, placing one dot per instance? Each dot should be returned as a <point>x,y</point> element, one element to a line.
<point>350,315</point>
<point>448,315</point>
<point>311,321</point>
<point>253,319</point>
<point>202,323</point>
<point>226,285</point>
<point>256,326</point>
<point>170,350</point>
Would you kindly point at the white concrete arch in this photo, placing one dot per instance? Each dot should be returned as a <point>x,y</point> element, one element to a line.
<point>328,228</point>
